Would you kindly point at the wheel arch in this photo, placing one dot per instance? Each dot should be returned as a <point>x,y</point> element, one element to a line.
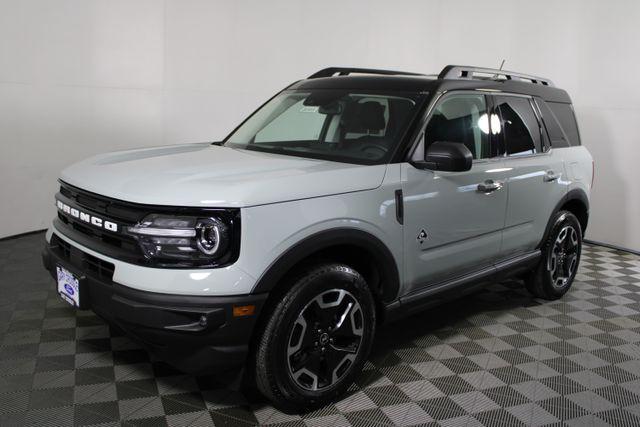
<point>283,272</point>
<point>576,202</point>
<point>359,249</point>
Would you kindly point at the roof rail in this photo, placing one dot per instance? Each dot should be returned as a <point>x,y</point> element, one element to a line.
<point>344,71</point>
<point>467,72</point>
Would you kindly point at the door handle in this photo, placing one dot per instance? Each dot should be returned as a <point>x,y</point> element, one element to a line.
<point>489,186</point>
<point>551,176</point>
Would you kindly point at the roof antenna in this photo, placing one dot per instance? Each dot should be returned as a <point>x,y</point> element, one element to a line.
<point>495,76</point>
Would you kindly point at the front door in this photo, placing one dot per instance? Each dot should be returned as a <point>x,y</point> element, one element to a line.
<point>453,221</point>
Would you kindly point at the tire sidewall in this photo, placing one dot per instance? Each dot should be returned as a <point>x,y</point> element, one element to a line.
<point>563,219</point>
<point>307,288</point>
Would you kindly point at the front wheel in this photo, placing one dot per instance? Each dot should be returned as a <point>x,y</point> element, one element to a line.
<point>553,277</point>
<point>317,338</point>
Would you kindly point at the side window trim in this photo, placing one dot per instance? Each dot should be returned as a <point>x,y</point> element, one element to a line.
<point>495,139</point>
<point>544,137</point>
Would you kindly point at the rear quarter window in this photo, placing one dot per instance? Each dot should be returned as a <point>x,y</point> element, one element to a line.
<point>564,117</point>
<point>556,135</point>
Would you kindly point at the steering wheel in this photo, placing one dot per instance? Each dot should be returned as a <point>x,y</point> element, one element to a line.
<point>370,145</point>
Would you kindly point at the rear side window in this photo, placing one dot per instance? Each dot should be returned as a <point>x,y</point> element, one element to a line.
<point>519,126</point>
<point>567,119</point>
<point>556,134</point>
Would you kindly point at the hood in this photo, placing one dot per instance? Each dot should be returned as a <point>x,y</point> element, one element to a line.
<point>207,175</point>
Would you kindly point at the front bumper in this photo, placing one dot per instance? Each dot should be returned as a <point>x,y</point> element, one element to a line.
<point>196,334</point>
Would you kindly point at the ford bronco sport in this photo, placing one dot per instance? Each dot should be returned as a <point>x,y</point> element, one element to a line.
<point>349,198</point>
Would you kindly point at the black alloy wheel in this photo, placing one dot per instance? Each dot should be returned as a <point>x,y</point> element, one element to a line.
<point>560,257</point>
<point>325,339</point>
<point>316,338</point>
<point>562,260</point>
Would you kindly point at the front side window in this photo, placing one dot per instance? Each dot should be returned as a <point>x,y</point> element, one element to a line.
<point>461,118</point>
<point>341,125</point>
<point>519,126</point>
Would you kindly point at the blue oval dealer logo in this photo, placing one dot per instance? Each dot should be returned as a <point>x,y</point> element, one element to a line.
<point>69,289</point>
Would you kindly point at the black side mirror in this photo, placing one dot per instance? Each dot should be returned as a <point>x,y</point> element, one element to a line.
<point>446,156</point>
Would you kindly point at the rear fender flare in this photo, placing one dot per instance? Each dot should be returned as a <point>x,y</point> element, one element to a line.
<point>575,194</point>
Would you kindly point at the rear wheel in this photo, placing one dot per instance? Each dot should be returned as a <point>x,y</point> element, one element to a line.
<point>553,277</point>
<point>317,339</point>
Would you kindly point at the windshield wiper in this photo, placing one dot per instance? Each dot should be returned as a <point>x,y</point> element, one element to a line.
<point>266,148</point>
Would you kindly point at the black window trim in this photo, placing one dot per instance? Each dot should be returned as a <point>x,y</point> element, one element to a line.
<point>544,130</point>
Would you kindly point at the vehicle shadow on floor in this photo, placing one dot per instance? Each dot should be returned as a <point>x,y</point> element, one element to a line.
<point>445,320</point>
<point>418,330</point>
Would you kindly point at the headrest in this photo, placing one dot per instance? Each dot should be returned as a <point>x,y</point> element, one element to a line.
<point>364,117</point>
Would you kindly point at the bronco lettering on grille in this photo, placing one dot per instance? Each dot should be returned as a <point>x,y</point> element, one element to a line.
<point>86,217</point>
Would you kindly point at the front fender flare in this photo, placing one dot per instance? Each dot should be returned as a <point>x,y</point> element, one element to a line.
<point>382,257</point>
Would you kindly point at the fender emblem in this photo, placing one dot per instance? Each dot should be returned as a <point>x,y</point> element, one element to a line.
<point>422,236</point>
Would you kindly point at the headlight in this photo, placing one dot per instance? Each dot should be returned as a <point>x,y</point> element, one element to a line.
<point>209,235</point>
<point>186,239</point>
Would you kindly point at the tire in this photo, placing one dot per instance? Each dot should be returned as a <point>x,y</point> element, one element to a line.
<point>301,363</point>
<point>554,275</point>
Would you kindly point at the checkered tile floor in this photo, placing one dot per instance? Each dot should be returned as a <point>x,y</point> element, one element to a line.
<point>496,358</point>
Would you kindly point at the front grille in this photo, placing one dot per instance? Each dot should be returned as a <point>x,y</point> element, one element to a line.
<point>117,241</point>
<point>88,263</point>
<point>114,244</point>
<point>111,208</point>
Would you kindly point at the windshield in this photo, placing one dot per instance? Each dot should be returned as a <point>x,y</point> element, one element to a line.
<point>349,126</point>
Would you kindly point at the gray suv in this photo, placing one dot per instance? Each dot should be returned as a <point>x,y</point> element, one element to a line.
<point>350,198</point>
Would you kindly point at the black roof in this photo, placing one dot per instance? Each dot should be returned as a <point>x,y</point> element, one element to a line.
<point>386,80</point>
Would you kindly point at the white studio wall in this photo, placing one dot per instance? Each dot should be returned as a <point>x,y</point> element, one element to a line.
<point>80,77</point>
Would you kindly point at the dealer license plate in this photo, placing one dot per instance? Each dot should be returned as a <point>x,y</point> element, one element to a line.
<point>68,286</point>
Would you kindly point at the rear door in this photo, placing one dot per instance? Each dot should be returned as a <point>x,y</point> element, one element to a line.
<point>453,220</point>
<point>534,174</point>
